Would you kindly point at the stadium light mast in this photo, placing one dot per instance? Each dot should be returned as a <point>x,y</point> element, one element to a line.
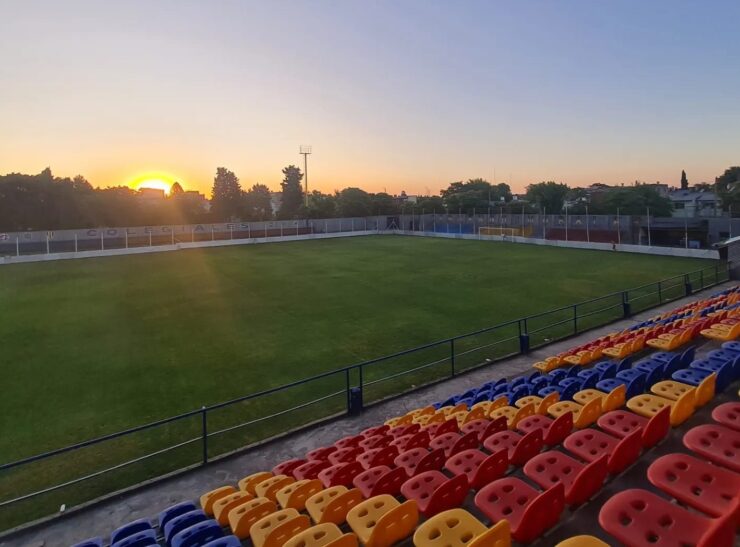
<point>305,150</point>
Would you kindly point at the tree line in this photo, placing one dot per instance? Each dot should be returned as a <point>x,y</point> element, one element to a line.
<point>46,202</point>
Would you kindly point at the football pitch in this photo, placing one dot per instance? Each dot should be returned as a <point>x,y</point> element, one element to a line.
<point>94,346</point>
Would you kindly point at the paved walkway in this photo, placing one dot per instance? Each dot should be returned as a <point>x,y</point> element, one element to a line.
<point>99,519</point>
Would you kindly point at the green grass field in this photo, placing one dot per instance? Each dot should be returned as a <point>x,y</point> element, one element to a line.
<point>94,346</point>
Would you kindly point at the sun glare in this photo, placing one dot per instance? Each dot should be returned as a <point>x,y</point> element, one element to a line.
<point>157,181</point>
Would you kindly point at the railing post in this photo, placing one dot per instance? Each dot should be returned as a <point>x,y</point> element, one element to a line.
<point>716,274</point>
<point>204,433</point>
<point>626,308</point>
<point>349,401</point>
<point>523,337</point>
<point>575,319</point>
<point>452,356</point>
<point>688,289</point>
<point>660,294</point>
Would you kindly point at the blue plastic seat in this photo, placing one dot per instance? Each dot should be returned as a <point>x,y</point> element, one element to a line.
<point>725,373</point>
<point>731,346</point>
<point>517,381</point>
<point>516,393</point>
<point>130,529</point>
<point>545,391</point>
<point>573,371</point>
<point>92,542</point>
<point>633,387</point>
<point>226,541</point>
<point>624,364</point>
<point>175,511</point>
<point>535,374</point>
<point>565,382</point>
<point>648,366</point>
<point>483,396</point>
<point>182,522</point>
<point>722,354</point>
<point>198,534</point>
<point>588,373</point>
<point>138,539</point>
<point>499,390</point>
<point>469,393</point>
<point>470,401</point>
<point>538,383</point>
<point>557,374</point>
<point>691,376</point>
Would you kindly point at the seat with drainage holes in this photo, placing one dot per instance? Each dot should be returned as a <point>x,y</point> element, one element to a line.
<point>378,456</point>
<point>322,535</point>
<point>226,541</point>
<point>580,481</point>
<point>342,473</point>
<point>130,529</point>
<point>242,517</point>
<point>633,386</point>
<point>554,431</point>
<point>458,528</point>
<point>295,494</point>
<point>621,423</point>
<point>223,505</point>
<point>145,538</point>
<point>403,430</point>
<point>91,542</point>
<point>380,480</point>
<point>582,541</point>
<point>479,467</point>
<point>181,522</point>
<point>609,401</point>
<point>485,428</point>
<point>638,517</point>
<point>375,441</point>
<point>276,528</point>
<point>540,403</point>
<point>175,511</point>
<point>650,405</point>
<point>701,485</point>
<point>381,521</point>
<point>345,455</point>
<point>717,443</point>
<point>452,443</point>
<point>728,414</point>
<point>197,534</point>
<point>311,469</point>
<point>413,440</point>
<point>520,448</point>
<point>440,428</point>
<point>725,372</point>
<point>583,415</point>
<point>512,414</point>
<point>269,488</point>
<point>332,504</point>
<point>590,444</point>
<point>418,460</point>
<point>287,467</point>
<point>434,492</point>
<point>530,513</point>
<point>209,498</point>
<point>250,482</point>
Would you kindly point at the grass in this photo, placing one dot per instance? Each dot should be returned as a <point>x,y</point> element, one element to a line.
<point>94,346</point>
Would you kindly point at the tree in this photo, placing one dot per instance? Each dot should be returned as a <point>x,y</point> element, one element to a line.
<point>226,195</point>
<point>430,204</point>
<point>475,194</point>
<point>176,189</point>
<point>548,195</point>
<point>727,188</point>
<point>684,181</point>
<point>633,200</point>
<point>353,202</point>
<point>321,205</point>
<point>383,204</point>
<point>292,200</point>
<point>258,202</point>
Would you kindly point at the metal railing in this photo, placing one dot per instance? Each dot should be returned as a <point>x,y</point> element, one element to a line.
<point>37,485</point>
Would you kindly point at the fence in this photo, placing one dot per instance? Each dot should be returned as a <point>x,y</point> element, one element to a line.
<point>38,485</point>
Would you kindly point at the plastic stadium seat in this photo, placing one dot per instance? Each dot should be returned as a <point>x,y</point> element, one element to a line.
<point>458,528</point>
<point>716,443</point>
<point>226,541</point>
<point>452,443</point>
<point>434,492</point>
<point>377,456</point>
<point>278,527</point>
<point>294,495</point>
<point>448,426</point>
<point>673,389</point>
<point>485,428</point>
<point>479,467</point>
<point>638,517</point>
<point>540,403</point>
<point>175,511</point>
<point>376,441</point>
<point>92,542</point>
<point>332,504</point>
<point>222,506</point>
<point>341,474</point>
<point>530,513</point>
<point>242,517</point>
<point>650,405</point>
<point>269,488</point>
<point>399,420</point>
<point>197,534</point>
<point>621,423</point>
<point>381,521</point>
<point>520,448</point>
<point>728,414</point>
<point>513,414</point>
<point>287,467</point>
<point>701,485</point>
<point>413,440</point>
<point>725,372</point>
<point>402,430</point>
<point>582,541</point>
<point>554,431</point>
<point>380,480</point>
<point>138,539</point>
<point>209,498</point>
<point>633,387</point>
<point>129,529</point>
<point>583,415</point>
<point>353,441</point>
<point>580,481</point>
<point>345,455</point>
<point>322,535</point>
<point>609,401</point>
<point>310,469</point>
<point>377,430</point>
<point>250,482</point>
<point>418,460</point>
<point>182,522</point>
<point>590,444</point>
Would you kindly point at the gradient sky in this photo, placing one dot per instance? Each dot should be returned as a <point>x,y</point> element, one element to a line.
<point>396,95</point>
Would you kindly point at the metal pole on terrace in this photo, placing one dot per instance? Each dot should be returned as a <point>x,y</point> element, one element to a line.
<point>686,229</point>
<point>102,241</point>
<point>422,220</point>
<point>18,246</point>
<point>588,233</point>
<point>47,242</point>
<point>75,241</point>
<point>125,235</point>
<point>501,222</point>
<point>619,229</point>
<point>648,222</point>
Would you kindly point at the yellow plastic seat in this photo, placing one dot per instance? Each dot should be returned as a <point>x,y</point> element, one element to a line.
<point>222,506</point>
<point>512,414</point>
<point>721,332</point>
<point>323,535</point>
<point>399,420</point>
<point>242,517</point>
<point>582,541</point>
<point>278,527</point>
<point>268,488</point>
<point>474,414</point>
<point>584,357</point>
<point>703,393</point>
<point>332,504</point>
<point>209,498</point>
<point>619,351</point>
<point>650,405</point>
<point>381,521</point>
<point>583,415</point>
<point>458,528</point>
<point>540,403</point>
<point>447,411</point>
<point>429,419</point>
<point>295,494</point>
<point>609,401</point>
<point>551,363</point>
<point>427,410</point>
<point>249,482</point>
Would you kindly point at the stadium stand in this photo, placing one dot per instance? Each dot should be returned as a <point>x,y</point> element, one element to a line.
<point>505,461</point>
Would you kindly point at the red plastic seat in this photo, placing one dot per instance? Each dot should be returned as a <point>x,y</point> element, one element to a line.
<point>321,453</point>
<point>401,430</point>
<point>380,480</point>
<point>590,444</point>
<point>580,481</point>
<point>413,440</point>
<point>287,467</point>
<point>434,492</point>
<point>310,469</point>
<point>377,430</point>
<point>449,426</point>
<point>530,512</point>
<point>418,460</point>
<point>621,423</point>
<point>340,474</point>
<point>378,456</point>
<point>716,443</point>
<point>638,517</point>
<point>520,448</point>
<point>728,414</point>
<point>485,428</point>
<point>345,455</point>
<point>452,443</point>
<point>349,442</point>
<point>376,441</point>
<point>480,468</point>
<point>553,431</point>
<point>701,485</point>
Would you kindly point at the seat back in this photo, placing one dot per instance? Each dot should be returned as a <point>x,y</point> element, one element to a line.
<point>547,400</point>
<point>541,514</point>
<point>625,452</point>
<point>322,535</point>
<point>242,517</point>
<point>558,429</point>
<point>333,504</point>
<point>198,534</point>
<point>683,408</point>
<point>524,412</point>
<point>527,447</point>
<point>614,399</point>
<point>705,390</point>
<point>588,414</point>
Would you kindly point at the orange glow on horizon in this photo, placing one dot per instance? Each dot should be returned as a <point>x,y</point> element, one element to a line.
<point>156,181</point>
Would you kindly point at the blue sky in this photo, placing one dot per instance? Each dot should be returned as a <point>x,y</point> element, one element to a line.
<point>392,95</point>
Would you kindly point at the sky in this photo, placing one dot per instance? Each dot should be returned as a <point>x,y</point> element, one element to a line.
<point>392,95</point>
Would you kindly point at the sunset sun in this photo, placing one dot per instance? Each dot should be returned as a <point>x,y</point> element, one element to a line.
<point>156,181</point>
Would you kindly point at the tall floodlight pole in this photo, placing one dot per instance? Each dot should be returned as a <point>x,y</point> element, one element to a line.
<point>305,150</point>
